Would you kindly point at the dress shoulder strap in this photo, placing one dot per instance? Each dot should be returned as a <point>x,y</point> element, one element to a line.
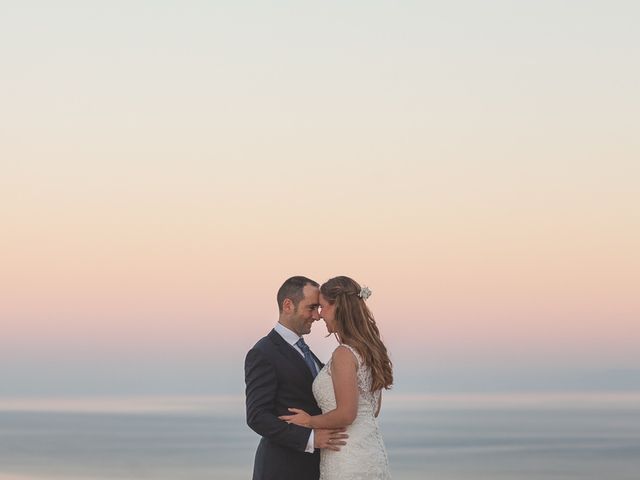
<point>355,353</point>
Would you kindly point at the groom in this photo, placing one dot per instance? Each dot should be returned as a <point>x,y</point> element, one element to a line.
<point>279,371</point>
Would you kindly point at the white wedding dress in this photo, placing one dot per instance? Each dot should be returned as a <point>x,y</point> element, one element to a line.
<point>364,456</point>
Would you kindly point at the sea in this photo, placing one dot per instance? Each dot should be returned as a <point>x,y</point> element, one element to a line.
<point>523,436</point>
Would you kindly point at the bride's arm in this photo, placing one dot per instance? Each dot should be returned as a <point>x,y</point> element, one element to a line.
<point>345,385</point>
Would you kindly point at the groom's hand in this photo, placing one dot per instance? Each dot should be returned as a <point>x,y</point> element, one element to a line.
<point>330,438</point>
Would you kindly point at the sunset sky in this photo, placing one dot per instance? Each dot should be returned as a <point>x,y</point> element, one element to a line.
<point>164,166</point>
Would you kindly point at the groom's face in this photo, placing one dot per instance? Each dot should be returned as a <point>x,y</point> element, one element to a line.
<point>307,311</point>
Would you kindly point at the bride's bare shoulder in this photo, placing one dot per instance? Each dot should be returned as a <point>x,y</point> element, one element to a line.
<point>345,355</point>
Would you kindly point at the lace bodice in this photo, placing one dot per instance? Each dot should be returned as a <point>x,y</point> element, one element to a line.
<point>364,456</point>
<point>367,401</point>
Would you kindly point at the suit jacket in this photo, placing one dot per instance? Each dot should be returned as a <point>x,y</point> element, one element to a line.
<point>277,378</point>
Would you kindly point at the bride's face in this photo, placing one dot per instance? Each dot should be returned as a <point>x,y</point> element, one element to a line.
<point>327,313</point>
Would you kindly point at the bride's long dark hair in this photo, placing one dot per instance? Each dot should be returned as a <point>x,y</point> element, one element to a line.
<point>357,328</point>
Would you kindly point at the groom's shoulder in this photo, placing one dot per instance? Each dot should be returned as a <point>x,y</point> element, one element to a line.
<point>266,343</point>
<point>264,349</point>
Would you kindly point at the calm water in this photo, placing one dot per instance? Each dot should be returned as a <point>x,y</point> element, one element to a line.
<point>440,437</point>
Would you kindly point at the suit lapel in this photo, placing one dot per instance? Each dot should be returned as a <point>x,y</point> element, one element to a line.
<point>289,352</point>
<point>292,354</point>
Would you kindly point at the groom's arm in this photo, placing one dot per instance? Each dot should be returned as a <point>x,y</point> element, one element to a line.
<point>261,389</point>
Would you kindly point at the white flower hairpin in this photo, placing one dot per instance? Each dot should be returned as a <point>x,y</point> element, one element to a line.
<point>365,293</point>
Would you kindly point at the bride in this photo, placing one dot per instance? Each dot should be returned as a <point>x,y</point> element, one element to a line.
<point>348,389</point>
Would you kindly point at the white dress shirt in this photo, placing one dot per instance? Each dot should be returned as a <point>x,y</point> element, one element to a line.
<point>291,338</point>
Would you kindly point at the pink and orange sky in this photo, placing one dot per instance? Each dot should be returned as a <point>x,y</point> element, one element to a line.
<point>165,168</point>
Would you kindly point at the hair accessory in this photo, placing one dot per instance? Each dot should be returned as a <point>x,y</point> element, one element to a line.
<point>364,293</point>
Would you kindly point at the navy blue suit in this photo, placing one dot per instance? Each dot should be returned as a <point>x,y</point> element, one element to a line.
<point>277,378</point>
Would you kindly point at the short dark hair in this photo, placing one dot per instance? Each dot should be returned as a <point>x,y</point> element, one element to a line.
<point>292,289</point>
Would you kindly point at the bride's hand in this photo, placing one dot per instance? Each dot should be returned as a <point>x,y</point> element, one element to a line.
<point>301,418</point>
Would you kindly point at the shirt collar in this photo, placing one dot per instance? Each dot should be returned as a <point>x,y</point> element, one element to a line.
<point>290,337</point>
